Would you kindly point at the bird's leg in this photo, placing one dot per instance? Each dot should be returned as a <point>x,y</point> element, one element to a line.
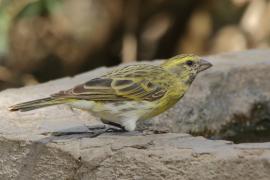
<point>119,128</point>
<point>114,127</point>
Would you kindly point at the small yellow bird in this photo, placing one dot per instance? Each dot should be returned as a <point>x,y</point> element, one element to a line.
<point>129,94</point>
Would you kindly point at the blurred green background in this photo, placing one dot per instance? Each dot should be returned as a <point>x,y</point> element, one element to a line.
<point>42,40</point>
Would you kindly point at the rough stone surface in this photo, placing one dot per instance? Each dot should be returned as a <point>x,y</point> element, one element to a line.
<point>166,156</point>
<point>26,154</point>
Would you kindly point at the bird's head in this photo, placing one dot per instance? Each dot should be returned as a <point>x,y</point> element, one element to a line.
<point>186,66</point>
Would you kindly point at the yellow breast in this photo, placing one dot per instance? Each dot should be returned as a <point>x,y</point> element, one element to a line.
<point>174,94</point>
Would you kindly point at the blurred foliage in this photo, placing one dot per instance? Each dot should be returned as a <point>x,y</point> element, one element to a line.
<point>46,39</point>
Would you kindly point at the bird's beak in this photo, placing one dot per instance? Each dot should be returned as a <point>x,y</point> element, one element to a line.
<point>204,65</point>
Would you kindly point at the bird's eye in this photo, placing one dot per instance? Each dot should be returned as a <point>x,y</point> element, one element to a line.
<point>189,63</point>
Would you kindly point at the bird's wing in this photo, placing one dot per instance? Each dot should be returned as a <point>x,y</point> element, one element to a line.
<point>115,89</point>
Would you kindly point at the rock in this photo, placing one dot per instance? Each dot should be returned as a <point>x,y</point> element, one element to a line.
<point>216,100</point>
<point>166,156</point>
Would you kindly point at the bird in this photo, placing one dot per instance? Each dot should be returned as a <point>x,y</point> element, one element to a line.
<point>126,95</point>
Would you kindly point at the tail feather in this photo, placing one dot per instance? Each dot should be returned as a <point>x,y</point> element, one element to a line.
<point>35,104</point>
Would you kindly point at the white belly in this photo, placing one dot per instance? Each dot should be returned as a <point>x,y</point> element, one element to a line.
<point>124,113</point>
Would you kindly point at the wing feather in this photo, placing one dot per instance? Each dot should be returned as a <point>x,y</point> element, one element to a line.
<point>116,88</point>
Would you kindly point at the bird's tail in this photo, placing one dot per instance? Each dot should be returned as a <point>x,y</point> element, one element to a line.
<point>36,104</point>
